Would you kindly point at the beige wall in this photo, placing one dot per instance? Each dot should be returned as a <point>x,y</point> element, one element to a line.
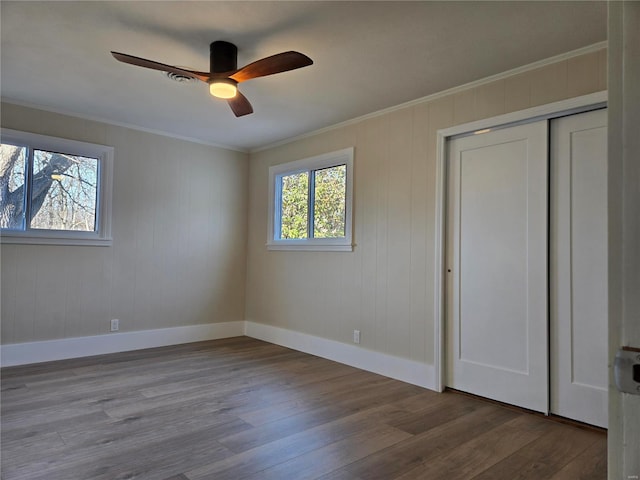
<point>179,239</point>
<point>385,286</point>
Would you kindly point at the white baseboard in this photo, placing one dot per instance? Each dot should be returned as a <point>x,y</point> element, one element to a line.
<point>46,351</point>
<point>403,369</point>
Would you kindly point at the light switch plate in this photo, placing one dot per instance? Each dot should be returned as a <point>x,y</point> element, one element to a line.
<point>625,367</point>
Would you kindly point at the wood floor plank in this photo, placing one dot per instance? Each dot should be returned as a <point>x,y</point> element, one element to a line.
<point>40,415</point>
<point>141,430</point>
<point>241,408</point>
<point>316,395</point>
<point>278,451</point>
<point>544,457</point>
<point>482,451</point>
<point>153,461</point>
<point>86,422</point>
<point>326,459</point>
<point>25,450</point>
<point>424,420</point>
<point>340,474</point>
<point>592,463</point>
<point>255,390</point>
<point>420,449</point>
<point>420,401</point>
<point>364,398</point>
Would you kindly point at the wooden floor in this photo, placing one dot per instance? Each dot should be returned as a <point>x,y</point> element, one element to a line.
<point>244,409</point>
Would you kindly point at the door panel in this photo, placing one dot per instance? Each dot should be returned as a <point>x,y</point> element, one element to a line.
<point>492,202</point>
<point>497,258</point>
<point>579,300</point>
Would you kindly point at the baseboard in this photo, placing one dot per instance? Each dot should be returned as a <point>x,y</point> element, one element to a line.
<point>49,350</point>
<point>403,369</point>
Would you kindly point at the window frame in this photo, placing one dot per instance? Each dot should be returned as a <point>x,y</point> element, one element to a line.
<point>102,235</point>
<point>319,162</point>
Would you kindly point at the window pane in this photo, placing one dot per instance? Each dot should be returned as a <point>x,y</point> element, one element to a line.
<point>13,160</point>
<point>64,192</point>
<point>329,202</point>
<point>295,210</point>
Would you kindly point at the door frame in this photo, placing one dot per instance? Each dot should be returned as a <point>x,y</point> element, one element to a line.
<point>543,112</point>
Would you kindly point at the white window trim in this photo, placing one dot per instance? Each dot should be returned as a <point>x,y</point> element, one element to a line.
<point>101,237</point>
<point>342,244</point>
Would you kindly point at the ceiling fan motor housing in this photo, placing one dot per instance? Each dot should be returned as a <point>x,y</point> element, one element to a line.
<point>223,57</point>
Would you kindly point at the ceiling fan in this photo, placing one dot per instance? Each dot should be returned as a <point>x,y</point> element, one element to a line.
<point>224,75</point>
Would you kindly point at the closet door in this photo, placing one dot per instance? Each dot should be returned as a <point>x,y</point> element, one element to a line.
<point>578,262</point>
<point>497,311</point>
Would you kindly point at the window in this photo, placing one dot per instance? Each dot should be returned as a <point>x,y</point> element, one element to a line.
<point>54,191</point>
<point>310,203</point>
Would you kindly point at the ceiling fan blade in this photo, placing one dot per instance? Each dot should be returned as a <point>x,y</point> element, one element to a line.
<point>142,62</point>
<point>240,105</point>
<point>282,62</point>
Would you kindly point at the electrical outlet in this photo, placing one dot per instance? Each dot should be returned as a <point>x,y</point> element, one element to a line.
<point>115,325</point>
<point>356,336</point>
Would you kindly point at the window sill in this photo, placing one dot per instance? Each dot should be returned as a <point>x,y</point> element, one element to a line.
<point>310,247</point>
<point>20,238</point>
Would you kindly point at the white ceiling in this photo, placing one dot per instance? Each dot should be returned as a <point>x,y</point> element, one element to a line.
<point>368,56</point>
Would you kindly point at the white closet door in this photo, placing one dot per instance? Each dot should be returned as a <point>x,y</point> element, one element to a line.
<point>579,267</point>
<point>497,318</point>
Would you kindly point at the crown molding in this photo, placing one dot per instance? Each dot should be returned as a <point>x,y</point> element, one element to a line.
<point>450,91</point>
<point>92,118</point>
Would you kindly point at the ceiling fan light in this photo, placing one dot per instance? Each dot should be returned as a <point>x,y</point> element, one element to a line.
<point>223,88</point>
